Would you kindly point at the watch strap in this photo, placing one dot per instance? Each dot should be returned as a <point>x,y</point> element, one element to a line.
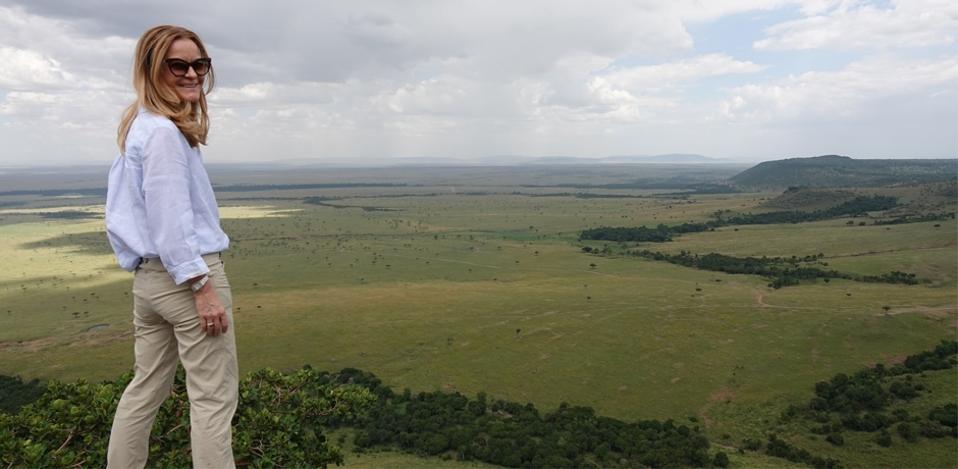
<point>197,285</point>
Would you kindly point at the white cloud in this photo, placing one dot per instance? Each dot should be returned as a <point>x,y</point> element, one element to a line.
<point>703,11</point>
<point>842,94</point>
<point>860,25</point>
<point>628,95</point>
<point>61,92</point>
<point>25,68</point>
<point>670,74</point>
<point>248,93</point>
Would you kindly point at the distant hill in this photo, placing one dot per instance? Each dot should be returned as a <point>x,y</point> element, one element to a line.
<point>842,171</point>
<point>671,158</point>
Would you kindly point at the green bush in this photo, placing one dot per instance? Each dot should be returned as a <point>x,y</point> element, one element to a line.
<point>945,415</point>
<point>836,439</point>
<point>517,435</point>
<point>14,393</point>
<point>883,439</point>
<point>278,422</point>
<point>907,432</point>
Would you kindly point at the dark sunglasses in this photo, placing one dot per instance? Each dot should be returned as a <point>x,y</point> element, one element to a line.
<point>180,68</point>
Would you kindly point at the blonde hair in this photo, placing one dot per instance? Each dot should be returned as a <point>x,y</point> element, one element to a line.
<point>155,96</point>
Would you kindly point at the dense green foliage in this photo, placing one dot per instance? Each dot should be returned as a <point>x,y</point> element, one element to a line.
<point>516,435</point>
<point>658,234</point>
<point>860,402</point>
<point>662,233</point>
<point>895,276</point>
<point>781,449</point>
<point>916,218</point>
<point>855,207</point>
<point>278,422</point>
<point>781,271</point>
<point>14,393</point>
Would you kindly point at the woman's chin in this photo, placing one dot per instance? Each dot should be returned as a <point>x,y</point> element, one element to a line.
<point>190,95</point>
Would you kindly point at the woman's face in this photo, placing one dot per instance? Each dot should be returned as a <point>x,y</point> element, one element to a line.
<point>188,87</point>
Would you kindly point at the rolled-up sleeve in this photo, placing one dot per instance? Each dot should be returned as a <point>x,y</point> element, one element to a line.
<point>169,212</point>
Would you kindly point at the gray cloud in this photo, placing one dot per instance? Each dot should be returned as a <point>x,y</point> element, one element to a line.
<point>304,79</point>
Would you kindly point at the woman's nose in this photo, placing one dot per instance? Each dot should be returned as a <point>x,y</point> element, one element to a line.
<point>190,73</point>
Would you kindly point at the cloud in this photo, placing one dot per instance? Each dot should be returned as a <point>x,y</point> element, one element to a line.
<point>844,94</point>
<point>379,69</point>
<point>305,79</point>
<point>672,73</point>
<point>636,94</point>
<point>21,68</point>
<point>860,25</point>
<point>335,41</point>
<point>61,92</point>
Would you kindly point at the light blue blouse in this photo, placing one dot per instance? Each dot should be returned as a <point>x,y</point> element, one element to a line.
<point>160,202</point>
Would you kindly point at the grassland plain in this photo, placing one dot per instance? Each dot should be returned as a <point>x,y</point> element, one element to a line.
<point>492,293</point>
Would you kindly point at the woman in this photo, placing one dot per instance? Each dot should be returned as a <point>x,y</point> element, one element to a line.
<point>162,222</point>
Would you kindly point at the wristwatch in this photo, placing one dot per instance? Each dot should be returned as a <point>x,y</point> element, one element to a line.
<point>197,285</point>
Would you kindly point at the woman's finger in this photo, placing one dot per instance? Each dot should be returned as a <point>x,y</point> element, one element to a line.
<point>215,328</point>
<point>209,325</point>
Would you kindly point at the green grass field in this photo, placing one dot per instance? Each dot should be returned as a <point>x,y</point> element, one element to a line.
<point>493,293</point>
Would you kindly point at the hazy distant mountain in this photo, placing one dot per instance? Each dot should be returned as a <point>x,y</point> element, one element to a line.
<point>673,158</point>
<point>491,160</point>
<point>842,171</point>
<point>356,162</point>
<point>556,160</point>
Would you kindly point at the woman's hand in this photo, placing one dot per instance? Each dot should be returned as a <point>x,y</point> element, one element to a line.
<point>212,314</point>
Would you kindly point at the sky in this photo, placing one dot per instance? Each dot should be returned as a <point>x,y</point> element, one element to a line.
<point>361,81</point>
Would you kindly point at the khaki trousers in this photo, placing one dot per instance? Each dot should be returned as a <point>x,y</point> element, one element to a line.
<point>166,327</point>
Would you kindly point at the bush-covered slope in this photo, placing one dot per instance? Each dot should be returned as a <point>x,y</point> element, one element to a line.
<point>281,419</point>
<point>842,171</point>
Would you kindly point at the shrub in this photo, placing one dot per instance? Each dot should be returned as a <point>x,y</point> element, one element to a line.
<point>907,432</point>
<point>883,439</point>
<point>836,439</point>
<point>752,444</point>
<point>946,415</point>
<point>14,393</point>
<point>278,422</point>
